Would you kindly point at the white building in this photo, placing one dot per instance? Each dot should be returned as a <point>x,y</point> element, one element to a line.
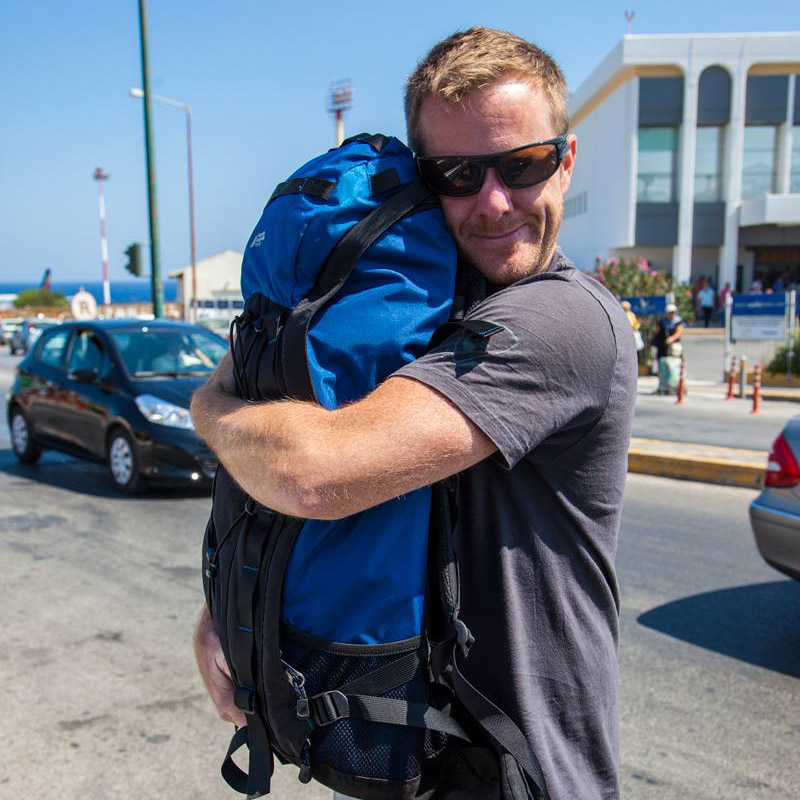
<point>219,292</point>
<point>689,156</point>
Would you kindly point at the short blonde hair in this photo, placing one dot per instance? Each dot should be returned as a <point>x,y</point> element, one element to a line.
<point>474,59</point>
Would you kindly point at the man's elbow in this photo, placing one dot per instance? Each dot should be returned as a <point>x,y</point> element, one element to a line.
<point>309,491</point>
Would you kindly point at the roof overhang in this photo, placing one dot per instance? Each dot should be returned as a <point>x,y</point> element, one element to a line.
<point>770,209</point>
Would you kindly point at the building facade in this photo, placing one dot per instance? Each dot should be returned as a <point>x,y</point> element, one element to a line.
<point>689,156</point>
<point>219,293</point>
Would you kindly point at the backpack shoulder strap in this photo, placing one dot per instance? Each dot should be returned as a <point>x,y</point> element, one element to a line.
<point>338,266</point>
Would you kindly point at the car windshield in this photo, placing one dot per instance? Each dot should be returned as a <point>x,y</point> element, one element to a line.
<point>149,352</point>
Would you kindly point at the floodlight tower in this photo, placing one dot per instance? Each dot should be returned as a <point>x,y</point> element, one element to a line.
<point>339,100</point>
<point>100,175</point>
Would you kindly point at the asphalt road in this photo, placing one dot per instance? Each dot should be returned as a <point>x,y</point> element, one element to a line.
<point>102,701</point>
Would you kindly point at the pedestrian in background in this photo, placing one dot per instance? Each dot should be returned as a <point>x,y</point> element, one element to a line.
<point>707,298</point>
<point>635,324</point>
<point>667,341</point>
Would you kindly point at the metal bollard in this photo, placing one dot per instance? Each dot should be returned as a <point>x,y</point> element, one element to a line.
<point>756,388</point>
<point>732,372</point>
<point>743,377</point>
<point>681,399</point>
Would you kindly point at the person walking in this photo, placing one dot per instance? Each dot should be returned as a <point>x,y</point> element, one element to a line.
<point>537,420</point>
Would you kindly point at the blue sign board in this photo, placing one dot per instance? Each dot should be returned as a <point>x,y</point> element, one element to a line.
<point>759,305</point>
<point>653,306</point>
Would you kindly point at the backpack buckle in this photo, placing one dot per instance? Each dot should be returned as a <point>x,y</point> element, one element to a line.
<point>464,636</point>
<point>328,707</point>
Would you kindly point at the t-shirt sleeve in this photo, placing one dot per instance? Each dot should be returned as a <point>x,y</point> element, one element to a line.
<point>543,366</point>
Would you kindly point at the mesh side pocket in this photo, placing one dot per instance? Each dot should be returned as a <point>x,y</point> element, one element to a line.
<point>356,746</point>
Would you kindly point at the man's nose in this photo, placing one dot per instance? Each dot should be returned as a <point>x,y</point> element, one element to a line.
<point>494,198</point>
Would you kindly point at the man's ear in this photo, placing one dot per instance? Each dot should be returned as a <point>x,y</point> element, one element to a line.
<point>568,163</point>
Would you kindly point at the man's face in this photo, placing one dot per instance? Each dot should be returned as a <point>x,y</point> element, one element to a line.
<point>507,234</point>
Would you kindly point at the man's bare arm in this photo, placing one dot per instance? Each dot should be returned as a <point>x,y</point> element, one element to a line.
<point>305,461</point>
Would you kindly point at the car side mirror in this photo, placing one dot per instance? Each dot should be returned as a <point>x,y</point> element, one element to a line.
<point>85,375</point>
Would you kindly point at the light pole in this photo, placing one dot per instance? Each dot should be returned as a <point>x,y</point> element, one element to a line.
<point>339,100</point>
<point>101,176</point>
<point>156,287</point>
<point>188,110</point>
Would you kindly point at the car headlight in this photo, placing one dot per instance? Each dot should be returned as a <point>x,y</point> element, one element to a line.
<point>161,412</point>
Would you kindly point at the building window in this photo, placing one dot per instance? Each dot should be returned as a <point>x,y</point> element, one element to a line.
<point>758,164</point>
<point>576,205</point>
<point>708,165</point>
<point>658,156</point>
<point>794,181</point>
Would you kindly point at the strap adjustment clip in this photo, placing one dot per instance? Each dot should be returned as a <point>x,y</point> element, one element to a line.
<point>245,699</point>
<point>328,707</point>
<point>464,636</point>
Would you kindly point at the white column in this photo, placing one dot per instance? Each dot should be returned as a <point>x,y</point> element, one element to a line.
<point>682,256</point>
<point>732,173</point>
<point>783,161</point>
<point>632,132</point>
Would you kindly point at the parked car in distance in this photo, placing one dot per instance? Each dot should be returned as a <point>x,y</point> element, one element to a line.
<point>8,327</point>
<point>775,513</point>
<point>28,333</point>
<point>118,392</point>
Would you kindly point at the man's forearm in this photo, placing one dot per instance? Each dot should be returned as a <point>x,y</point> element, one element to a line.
<point>264,446</point>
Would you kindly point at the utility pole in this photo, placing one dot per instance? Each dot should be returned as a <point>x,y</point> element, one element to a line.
<point>629,15</point>
<point>339,100</point>
<point>157,289</point>
<point>100,175</point>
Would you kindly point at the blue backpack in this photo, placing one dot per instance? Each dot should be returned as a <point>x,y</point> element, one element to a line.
<point>345,660</point>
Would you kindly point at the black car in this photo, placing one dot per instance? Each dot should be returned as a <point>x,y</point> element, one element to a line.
<point>117,391</point>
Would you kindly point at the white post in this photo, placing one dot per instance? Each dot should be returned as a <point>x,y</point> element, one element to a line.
<point>727,352</point>
<point>783,161</point>
<point>682,264</point>
<point>790,328</point>
<point>103,243</point>
<point>732,174</point>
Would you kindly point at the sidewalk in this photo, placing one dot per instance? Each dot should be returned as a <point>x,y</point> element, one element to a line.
<point>705,415</point>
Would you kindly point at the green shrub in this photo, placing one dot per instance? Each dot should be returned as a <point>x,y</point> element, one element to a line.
<point>40,298</point>
<point>638,279</point>
<point>778,365</point>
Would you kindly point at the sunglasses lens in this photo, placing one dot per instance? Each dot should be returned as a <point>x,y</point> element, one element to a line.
<point>452,176</point>
<point>529,167</point>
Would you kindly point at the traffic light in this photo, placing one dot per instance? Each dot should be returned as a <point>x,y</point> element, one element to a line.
<point>134,265</point>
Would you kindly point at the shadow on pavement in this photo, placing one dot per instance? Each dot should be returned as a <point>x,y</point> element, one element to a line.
<point>85,477</point>
<point>759,624</point>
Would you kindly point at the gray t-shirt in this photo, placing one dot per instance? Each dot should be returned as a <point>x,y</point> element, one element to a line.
<point>554,389</point>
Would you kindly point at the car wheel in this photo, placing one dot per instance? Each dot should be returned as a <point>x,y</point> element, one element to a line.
<point>25,449</point>
<point>123,464</point>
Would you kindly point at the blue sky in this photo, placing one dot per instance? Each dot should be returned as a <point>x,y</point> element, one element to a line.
<point>256,75</point>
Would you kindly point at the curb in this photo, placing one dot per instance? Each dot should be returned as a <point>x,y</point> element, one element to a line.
<point>688,466</point>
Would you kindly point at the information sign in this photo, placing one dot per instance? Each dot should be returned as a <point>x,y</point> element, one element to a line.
<point>654,306</point>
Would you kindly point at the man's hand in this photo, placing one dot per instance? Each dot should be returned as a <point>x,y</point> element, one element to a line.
<point>215,671</point>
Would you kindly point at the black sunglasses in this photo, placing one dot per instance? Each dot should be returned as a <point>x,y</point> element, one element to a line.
<point>519,168</point>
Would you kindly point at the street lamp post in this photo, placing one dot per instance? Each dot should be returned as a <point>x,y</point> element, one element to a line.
<point>100,175</point>
<point>188,110</point>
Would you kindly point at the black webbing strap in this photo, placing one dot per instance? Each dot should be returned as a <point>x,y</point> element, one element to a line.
<point>316,187</point>
<point>377,141</point>
<point>241,646</point>
<point>338,266</point>
<point>235,777</point>
<point>384,181</point>
<point>385,678</point>
<point>253,784</point>
<point>329,707</point>
<point>499,726</point>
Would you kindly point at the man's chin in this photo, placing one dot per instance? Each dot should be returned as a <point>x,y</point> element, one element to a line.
<point>504,269</point>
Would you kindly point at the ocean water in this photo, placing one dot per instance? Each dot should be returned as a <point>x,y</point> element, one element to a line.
<point>121,291</point>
